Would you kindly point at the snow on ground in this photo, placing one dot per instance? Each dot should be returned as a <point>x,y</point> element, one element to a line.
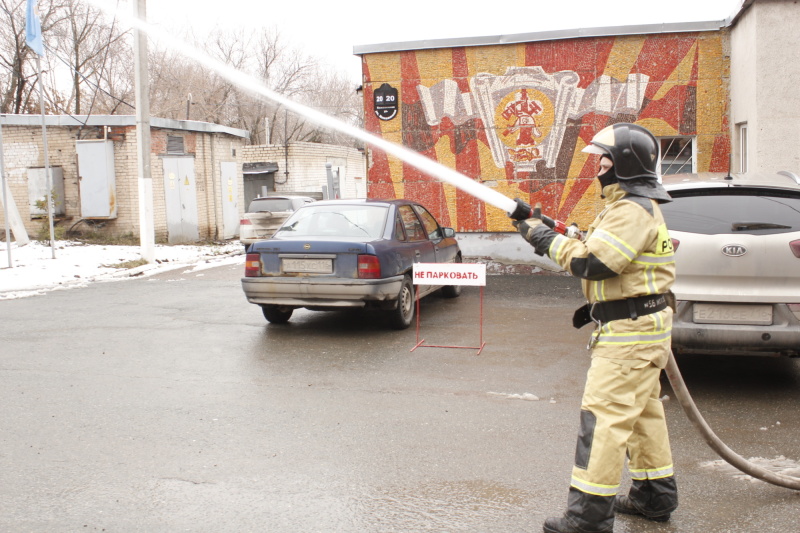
<point>34,271</point>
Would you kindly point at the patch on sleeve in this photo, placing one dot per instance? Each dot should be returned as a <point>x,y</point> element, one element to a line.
<point>663,241</point>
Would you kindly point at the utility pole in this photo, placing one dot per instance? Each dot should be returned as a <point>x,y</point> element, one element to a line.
<point>146,225</point>
<point>5,194</point>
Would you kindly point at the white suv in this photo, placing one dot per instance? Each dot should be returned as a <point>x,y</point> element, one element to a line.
<point>737,256</point>
<point>265,215</point>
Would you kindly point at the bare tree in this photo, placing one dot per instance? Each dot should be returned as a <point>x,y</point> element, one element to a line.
<point>18,73</point>
<point>335,96</point>
<point>182,89</point>
<point>85,41</point>
<point>88,71</point>
<point>293,74</point>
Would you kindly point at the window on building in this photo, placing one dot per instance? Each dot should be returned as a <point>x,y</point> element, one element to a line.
<point>677,155</point>
<point>742,146</point>
<point>175,144</point>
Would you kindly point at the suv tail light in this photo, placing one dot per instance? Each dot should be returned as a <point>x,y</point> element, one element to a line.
<point>369,267</point>
<point>245,222</point>
<point>675,244</point>
<point>795,246</point>
<point>252,265</point>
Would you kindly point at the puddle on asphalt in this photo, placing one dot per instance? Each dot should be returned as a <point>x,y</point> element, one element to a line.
<point>779,465</point>
<point>442,506</point>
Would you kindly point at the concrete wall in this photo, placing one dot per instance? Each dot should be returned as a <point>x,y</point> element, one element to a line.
<point>23,149</point>
<point>306,166</point>
<point>515,117</point>
<point>765,75</point>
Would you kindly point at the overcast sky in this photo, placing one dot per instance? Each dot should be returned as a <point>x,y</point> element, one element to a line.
<point>329,29</point>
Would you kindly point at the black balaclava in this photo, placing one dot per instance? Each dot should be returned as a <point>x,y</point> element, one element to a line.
<point>606,179</point>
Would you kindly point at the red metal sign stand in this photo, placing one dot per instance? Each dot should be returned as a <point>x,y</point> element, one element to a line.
<point>421,343</point>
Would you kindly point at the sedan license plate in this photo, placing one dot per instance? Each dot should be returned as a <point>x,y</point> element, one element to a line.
<point>756,315</point>
<point>312,266</point>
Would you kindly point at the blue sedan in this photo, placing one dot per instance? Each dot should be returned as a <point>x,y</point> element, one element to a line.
<point>348,253</point>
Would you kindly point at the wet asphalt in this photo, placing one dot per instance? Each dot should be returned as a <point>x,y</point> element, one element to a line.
<point>169,404</point>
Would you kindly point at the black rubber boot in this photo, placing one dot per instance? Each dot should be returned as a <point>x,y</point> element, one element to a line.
<point>625,505</point>
<point>560,524</point>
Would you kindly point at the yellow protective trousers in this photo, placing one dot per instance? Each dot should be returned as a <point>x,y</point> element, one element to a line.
<point>621,413</point>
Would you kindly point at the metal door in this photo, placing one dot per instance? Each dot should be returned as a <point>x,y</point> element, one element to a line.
<point>97,179</point>
<point>230,200</point>
<point>181,199</point>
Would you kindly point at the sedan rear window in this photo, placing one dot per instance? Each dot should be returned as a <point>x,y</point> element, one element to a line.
<point>354,221</point>
<point>260,205</point>
<point>733,211</point>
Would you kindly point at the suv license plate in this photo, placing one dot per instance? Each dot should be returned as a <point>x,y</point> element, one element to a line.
<point>313,266</point>
<point>756,315</point>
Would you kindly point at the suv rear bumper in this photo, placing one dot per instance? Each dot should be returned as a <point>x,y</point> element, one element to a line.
<point>782,337</point>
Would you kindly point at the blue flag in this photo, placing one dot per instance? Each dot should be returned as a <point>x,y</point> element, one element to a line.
<point>33,29</point>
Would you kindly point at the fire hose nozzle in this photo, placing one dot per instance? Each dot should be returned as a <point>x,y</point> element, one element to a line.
<point>523,210</point>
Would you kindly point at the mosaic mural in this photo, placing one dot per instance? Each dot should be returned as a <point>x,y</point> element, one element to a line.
<point>516,117</point>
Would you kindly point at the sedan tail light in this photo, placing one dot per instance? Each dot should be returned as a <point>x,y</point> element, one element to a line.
<point>675,244</point>
<point>252,265</point>
<point>795,246</point>
<point>245,222</point>
<point>369,267</point>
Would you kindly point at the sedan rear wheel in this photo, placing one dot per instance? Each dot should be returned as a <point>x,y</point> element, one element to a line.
<point>277,314</point>
<point>403,314</point>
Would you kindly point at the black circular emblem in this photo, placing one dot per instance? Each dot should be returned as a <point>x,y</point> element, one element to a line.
<point>385,102</point>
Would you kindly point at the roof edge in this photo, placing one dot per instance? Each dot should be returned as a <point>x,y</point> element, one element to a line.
<point>119,120</point>
<point>574,33</point>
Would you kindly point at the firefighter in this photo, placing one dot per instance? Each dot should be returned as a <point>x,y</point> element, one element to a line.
<point>627,268</point>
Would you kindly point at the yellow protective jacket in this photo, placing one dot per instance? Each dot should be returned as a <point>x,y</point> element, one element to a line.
<point>627,253</point>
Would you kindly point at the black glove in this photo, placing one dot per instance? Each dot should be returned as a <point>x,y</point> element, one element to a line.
<point>534,230</point>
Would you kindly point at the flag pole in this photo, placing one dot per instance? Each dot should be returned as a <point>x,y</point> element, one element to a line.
<point>5,199</point>
<point>33,38</point>
<point>49,195</point>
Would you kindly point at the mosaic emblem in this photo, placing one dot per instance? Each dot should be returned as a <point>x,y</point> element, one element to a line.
<point>525,118</point>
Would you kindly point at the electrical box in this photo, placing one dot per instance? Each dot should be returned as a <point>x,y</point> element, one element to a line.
<point>97,179</point>
<point>37,191</point>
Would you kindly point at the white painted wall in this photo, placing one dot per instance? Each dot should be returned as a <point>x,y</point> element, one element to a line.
<point>765,76</point>
<point>744,87</point>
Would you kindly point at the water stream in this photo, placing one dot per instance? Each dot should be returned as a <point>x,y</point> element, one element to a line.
<point>254,85</point>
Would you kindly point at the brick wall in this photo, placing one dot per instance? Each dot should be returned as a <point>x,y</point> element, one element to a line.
<point>306,165</point>
<point>23,149</point>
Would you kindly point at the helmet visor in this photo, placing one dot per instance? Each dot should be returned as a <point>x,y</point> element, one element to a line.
<point>594,149</point>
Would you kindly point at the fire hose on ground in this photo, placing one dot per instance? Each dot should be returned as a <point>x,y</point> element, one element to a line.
<point>716,444</point>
